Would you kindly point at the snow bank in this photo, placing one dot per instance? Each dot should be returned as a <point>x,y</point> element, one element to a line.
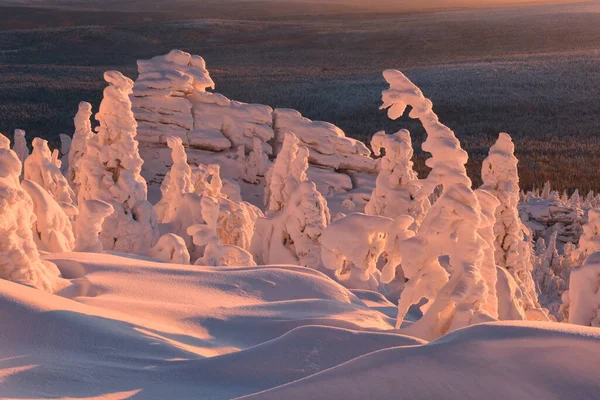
<point>504,358</point>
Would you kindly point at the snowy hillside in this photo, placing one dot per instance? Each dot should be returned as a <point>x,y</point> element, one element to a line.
<point>192,246</point>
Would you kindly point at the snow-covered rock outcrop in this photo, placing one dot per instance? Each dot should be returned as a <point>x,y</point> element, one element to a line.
<point>328,145</point>
<point>110,171</point>
<point>170,98</point>
<point>19,257</point>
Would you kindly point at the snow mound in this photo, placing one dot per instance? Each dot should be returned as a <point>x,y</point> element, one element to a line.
<point>498,360</point>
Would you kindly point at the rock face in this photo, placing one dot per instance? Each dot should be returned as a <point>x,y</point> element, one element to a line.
<point>170,98</point>
<point>546,216</point>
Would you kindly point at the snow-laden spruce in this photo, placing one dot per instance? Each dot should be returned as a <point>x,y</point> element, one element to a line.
<point>584,295</point>
<point>589,242</point>
<point>19,257</point>
<point>548,277</point>
<point>512,250</point>
<point>83,132</point>
<point>20,145</point>
<point>397,182</point>
<point>286,173</point>
<point>42,168</point>
<point>110,171</point>
<point>450,227</point>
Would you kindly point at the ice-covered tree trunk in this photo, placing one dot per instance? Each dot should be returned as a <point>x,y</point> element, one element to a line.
<point>449,228</point>
<point>397,183</point>
<point>110,171</point>
<point>512,252</point>
<point>20,145</point>
<point>83,132</point>
<point>19,257</point>
<point>41,168</point>
<point>286,173</point>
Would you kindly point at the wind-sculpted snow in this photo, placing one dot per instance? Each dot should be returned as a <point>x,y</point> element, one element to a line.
<point>499,360</point>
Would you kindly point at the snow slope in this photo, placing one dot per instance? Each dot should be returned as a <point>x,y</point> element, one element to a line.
<point>132,328</point>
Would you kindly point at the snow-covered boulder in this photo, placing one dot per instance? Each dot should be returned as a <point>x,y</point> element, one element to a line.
<point>110,171</point>
<point>170,248</point>
<point>352,246</point>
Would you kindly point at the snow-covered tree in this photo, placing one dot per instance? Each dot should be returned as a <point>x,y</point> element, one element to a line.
<point>19,257</point>
<point>52,228</point>
<point>589,242</point>
<point>177,182</point>
<point>292,235</point>
<point>83,132</point>
<point>20,145</point>
<point>397,183</point>
<point>110,170</point>
<point>489,204</point>
<point>546,190</point>
<point>548,279</point>
<point>89,225</point>
<point>41,168</point>
<point>512,252</point>
<point>286,173</point>
<point>257,162</point>
<point>449,228</point>
<point>575,200</point>
<point>584,296</point>
<point>205,235</point>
